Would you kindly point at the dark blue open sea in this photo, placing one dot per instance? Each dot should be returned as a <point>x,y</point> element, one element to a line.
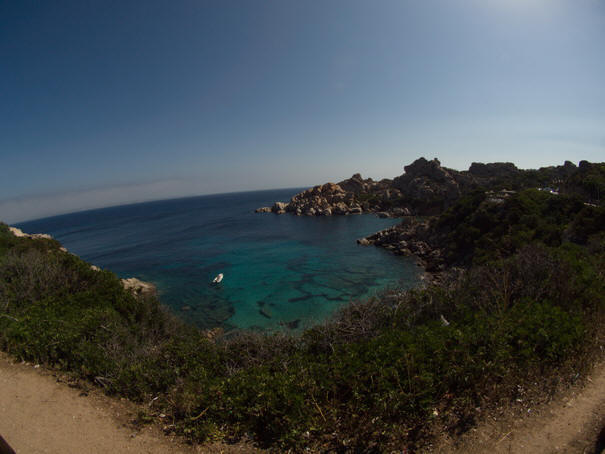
<point>277,269</point>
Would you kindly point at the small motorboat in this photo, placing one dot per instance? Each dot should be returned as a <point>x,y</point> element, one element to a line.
<point>218,278</point>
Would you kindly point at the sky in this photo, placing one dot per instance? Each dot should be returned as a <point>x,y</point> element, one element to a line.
<point>111,102</point>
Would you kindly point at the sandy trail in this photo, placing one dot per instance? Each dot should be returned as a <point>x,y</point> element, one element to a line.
<point>40,415</point>
<point>568,424</point>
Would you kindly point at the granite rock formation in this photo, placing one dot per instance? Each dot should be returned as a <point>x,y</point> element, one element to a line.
<point>138,287</point>
<point>36,236</point>
<point>413,236</point>
<point>424,188</point>
<point>428,188</point>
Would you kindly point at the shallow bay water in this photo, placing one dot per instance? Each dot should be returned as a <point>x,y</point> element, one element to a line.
<point>278,270</point>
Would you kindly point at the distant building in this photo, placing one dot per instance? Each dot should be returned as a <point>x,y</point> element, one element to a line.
<point>550,190</point>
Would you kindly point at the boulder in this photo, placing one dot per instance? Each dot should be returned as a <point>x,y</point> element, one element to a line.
<point>340,208</point>
<point>36,236</point>
<point>279,207</point>
<point>138,287</point>
<point>428,187</point>
<point>214,333</point>
<point>263,210</point>
<point>569,165</point>
<point>355,184</point>
<point>429,169</point>
<point>401,212</point>
<point>493,170</point>
<point>17,232</point>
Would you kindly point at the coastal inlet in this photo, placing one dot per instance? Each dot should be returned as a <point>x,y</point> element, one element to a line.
<point>280,272</point>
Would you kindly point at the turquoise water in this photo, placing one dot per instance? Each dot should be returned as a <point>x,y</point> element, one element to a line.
<point>281,272</point>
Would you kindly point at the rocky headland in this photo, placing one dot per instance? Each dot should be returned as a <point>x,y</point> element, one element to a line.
<point>427,189</point>
<point>352,196</point>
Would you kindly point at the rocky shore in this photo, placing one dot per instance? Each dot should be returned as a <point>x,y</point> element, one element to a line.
<point>409,238</point>
<point>132,284</point>
<point>388,198</point>
<point>352,196</point>
<point>425,189</point>
<point>20,234</point>
<point>413,237</point>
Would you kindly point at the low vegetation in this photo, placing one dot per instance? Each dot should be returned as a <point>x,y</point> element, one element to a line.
<point>476,230</point>
<point>380,375</point>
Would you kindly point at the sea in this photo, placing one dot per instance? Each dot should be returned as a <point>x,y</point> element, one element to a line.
<point>281,272</point>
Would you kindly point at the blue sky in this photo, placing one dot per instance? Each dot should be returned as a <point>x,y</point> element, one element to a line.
<point>105,102</point>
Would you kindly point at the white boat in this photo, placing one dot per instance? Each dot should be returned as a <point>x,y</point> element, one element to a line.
<point>218,278</point>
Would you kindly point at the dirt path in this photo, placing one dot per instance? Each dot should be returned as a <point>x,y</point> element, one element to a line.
<point>569,424</point>
<point>39,415</point>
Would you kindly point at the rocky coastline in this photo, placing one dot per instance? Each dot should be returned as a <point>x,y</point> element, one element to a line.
<point>410,237</point>
<point>136,286</point>
<point>424,191</point>
<point>425,188</point>
<point>413,237</point>
<point>352,196</point>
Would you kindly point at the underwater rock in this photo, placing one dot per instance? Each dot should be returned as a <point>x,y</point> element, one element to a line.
<point>264,313</point>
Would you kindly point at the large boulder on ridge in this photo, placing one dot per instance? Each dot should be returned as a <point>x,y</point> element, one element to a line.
<point>427,186</point>
<point>493,170</point>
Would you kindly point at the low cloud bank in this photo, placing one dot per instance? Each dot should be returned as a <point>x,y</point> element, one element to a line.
<point>34,207</point>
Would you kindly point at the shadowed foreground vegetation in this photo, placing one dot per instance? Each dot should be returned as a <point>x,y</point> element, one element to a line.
<point>381,375</point>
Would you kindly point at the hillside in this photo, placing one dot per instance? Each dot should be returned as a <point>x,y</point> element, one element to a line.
<point>526,305</point>
<point>427,188</point>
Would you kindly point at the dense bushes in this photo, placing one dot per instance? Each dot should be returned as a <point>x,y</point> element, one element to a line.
<point>375,377</point>
<point>476,229</point>
<point>588,182</point>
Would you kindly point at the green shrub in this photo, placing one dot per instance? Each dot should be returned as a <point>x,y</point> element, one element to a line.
<point>371,378</point>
